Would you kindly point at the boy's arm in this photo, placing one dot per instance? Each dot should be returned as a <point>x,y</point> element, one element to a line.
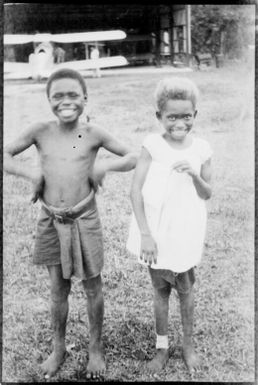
<point>16,167</point>
<point>127,159</point>
<point>125,162</point>
<point>148,245</point>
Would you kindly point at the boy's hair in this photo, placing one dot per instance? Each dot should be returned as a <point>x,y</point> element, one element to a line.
<point>64,74</point>
<point>175,88</point>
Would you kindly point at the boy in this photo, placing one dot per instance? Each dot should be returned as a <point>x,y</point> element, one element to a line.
<point>169,189</point>
<point>69,237</point>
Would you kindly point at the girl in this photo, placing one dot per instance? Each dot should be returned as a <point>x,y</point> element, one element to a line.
<point>169,189</point>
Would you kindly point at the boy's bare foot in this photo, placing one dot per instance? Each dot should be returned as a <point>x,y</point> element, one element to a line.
<point>96,366</point>
<point>159,361</point>
<point>53,363</point>
<point>191,359</point>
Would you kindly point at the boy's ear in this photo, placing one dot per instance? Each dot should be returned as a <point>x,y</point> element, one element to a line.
<point>158,115</point>
<point>195,113</point>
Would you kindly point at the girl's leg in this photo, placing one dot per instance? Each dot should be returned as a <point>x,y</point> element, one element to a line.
<point>60,289</point>
<point>187,314</point>
<point>161,307</point>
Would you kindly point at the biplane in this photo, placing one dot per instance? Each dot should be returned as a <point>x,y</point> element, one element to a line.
<point>42,62</point>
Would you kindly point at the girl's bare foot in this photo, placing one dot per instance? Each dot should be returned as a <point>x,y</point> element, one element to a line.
<point>53,363</point>
<point>191,358</point>
<point>96,366</point>
<point>159,361</point>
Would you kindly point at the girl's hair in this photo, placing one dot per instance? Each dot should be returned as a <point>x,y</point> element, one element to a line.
<point>175,88</point>
<point>64,74</point>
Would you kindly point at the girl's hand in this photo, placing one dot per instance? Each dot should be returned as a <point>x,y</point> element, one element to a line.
<point>148,249</point>
<point>184,166</point>
<point>38,187</point>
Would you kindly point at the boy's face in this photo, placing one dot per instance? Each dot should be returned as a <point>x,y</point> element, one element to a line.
<point>177,118</point>
<point>67,99</point>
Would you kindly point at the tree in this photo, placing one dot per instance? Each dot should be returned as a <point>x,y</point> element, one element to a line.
<point>226,29</point>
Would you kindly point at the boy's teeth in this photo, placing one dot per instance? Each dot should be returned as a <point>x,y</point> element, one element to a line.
<point>66,112</point>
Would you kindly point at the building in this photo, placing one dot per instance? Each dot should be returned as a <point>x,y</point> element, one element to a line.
<point>156,34</point>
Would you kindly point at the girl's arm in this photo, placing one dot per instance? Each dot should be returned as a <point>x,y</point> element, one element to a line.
<point>148,245</point>
<point>202,181</point>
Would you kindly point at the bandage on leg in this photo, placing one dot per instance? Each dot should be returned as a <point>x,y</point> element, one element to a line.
<point>162,342</point>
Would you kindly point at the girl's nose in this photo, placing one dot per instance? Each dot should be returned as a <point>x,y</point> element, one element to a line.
<point>179,124</point>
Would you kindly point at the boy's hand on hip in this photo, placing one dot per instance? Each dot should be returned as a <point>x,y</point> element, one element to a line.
<point>38,187</point>
<point>148,249</point>
<point>98,176</point>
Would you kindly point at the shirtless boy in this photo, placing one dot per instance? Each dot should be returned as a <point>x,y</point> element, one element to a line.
<point>69,236</point>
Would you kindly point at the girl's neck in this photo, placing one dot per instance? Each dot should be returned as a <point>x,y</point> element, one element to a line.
<point>181,144</point>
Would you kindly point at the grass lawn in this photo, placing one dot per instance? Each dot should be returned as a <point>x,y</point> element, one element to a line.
<point>224,312</point>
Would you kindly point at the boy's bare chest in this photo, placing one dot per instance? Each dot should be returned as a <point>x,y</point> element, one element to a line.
<point>77,145</point>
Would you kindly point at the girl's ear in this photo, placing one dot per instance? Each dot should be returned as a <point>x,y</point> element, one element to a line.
<point>195,113</point>
<point>158,115</point>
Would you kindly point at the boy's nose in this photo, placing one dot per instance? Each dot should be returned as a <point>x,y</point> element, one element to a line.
<point>66,99</point>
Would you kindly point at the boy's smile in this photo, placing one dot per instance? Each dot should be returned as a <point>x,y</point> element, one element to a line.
<point>177,118</point>
<point>67,99</point>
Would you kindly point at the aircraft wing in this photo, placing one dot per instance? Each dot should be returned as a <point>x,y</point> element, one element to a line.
<point>64,37</point>
<point>17,39</point>
<point>103,62</point>
<point>15,70</point>
<point>88,36</point>
<point>15,67</point>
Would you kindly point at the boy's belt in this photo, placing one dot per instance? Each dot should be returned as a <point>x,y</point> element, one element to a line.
<point>67,214</point>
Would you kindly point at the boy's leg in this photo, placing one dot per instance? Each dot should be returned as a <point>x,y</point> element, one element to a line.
<point>60,289</point>
<point>161,306</point>
<point>187,314</point>
<point>93,288</point>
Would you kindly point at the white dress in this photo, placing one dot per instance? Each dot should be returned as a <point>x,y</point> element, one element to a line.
<point>174,211</point>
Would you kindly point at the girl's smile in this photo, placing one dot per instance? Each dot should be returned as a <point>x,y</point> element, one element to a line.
<point>177,118</point>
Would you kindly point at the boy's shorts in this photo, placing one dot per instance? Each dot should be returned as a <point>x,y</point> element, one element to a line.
<point>182,282</point>
<point>73,241</point>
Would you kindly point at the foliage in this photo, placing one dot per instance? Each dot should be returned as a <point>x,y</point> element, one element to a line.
<point>226,29</point>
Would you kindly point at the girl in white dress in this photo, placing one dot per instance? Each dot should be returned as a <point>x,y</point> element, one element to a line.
<point>169,189</point>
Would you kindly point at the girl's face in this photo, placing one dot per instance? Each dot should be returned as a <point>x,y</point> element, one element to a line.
<point>177,118</point>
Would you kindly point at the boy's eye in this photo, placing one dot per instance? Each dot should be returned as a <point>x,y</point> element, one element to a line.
<point>60,96</point>
<point>187,116</point>
<point>72,95</point>
<point>172,118</point>
<point>57,96</point>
